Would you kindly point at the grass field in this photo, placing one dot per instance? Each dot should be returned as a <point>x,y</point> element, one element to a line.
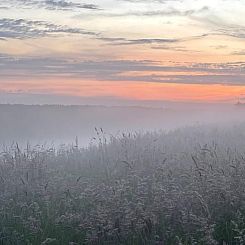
<point>182,187</point>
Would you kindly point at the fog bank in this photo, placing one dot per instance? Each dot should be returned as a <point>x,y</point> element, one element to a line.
<point>58,124</point>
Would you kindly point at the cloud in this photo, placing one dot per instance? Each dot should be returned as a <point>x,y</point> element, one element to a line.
<point>150,13</point>
<point>236,32</point>
<point>23,29</point>
<point>64,5</point>
<point>28,29</point>
<point>147,1</point>
<point>51,4</point>
<point>240,52</point>
<point>218,47</point>
<point>120,41</point>
<point>222,26</point>
<point>174,48</point>
<point>140,41</point>
<point>121,70</point>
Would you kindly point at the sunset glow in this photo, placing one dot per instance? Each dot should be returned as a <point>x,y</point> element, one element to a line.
<point>143,50</point>
<point>130,90</point>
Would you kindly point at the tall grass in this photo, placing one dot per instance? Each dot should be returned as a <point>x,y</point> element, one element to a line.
<point>181,187</point>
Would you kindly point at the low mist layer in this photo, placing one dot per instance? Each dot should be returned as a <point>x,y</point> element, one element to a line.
<point>62,124</point>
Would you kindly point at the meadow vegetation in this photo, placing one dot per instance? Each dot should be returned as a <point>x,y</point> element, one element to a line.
<point>182,187</point>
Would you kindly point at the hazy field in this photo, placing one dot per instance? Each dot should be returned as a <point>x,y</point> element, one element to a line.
<point>185,186</point>
<point>122,122</point>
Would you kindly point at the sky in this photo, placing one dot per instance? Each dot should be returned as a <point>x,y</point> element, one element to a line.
<point>170,50</point>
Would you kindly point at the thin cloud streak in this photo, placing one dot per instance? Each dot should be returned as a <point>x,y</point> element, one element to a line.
<point>121,70</point>
<point>50,5</point>
<point>22,29</point>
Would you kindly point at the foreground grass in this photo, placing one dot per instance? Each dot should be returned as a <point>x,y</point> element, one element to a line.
<point>184,187</point>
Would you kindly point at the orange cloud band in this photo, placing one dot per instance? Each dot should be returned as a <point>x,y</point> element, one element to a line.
<point>129,90</point>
